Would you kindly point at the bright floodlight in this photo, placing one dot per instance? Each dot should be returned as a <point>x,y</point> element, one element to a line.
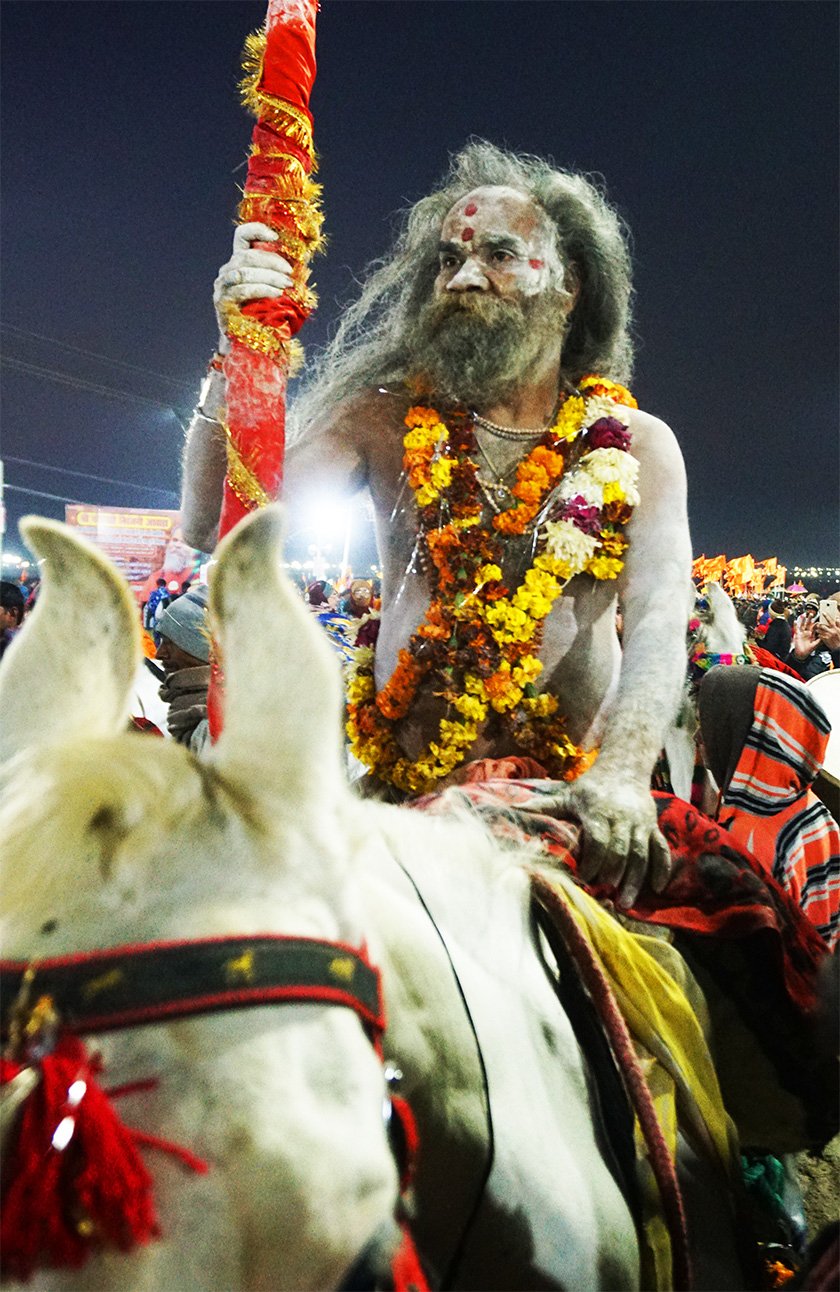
<point>326,520</point>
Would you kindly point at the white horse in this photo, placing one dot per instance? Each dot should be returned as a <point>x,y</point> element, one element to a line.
<point>113,839</point>
<point>718,633</point>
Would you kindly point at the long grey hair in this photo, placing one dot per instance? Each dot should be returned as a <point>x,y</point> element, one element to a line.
<point>372,344</point>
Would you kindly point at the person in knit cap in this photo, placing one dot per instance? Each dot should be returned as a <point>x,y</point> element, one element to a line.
<point>184,652</point>
<point>764,739</point>
<point>777,638</point>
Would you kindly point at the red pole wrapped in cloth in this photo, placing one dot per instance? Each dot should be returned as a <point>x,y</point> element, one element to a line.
<point>279,63</point>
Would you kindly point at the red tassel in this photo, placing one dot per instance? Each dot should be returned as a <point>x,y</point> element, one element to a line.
<point>73,1181</point>
<point>402,1110</point>
<point>406,1271</point>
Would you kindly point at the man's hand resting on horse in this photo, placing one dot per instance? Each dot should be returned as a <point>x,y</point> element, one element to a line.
<point>621,844</point>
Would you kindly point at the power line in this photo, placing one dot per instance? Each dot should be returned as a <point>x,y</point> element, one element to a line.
<point>39,493</point>
<point>91,354</point>
<point>80,383</point>
<point>88,475</point>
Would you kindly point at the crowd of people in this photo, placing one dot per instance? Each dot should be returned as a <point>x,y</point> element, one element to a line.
<point>802,631</point>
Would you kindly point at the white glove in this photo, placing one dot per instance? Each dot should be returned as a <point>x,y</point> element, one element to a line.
<point>249,275</point>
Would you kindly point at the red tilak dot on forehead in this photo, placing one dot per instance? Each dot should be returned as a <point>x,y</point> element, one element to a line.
<point>535,264</point>
<point>471,209</point>
<point>467,235</point>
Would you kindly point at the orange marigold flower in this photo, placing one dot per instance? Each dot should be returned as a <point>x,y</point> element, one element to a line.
<point>366,720</point>
<point>550,462</point>
<point>497,684</point>
<point>593,384</point>
<point>394,700</point>
<point>528,491</point>
<point>420,416</point>
<point>515,520</point>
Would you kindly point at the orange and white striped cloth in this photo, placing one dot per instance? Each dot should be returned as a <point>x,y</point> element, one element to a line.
<point>768,804</point>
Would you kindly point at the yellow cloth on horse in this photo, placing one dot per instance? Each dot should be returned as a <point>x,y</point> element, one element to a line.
<point>663,1009</point>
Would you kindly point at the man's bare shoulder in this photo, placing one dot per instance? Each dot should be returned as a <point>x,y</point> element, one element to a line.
<point>653,439</point>
<point>349,445</point>
<point>645,426</point>
<point>372,410</point>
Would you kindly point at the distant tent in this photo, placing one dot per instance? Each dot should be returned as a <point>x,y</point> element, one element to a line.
<point>796,588</point>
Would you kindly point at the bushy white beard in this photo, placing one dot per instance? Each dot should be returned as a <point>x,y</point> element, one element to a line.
<point>477,350</point>
<point>176,557</point>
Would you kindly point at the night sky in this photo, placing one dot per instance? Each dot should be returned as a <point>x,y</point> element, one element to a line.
<point>713,124</point>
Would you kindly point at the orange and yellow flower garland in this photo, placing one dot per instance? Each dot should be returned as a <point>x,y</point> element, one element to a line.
<point>478,640</point>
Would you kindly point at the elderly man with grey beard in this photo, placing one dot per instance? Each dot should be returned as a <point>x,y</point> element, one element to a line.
<point>519,495</point>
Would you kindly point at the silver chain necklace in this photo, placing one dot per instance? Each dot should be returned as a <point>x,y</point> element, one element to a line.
<point>499,484</point>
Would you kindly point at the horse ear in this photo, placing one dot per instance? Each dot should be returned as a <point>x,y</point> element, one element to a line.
<point>69,672</point>
<point>282,681</point>
<point>724,632</point>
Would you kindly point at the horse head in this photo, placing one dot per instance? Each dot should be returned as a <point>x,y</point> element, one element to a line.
<point>716,635</point>
<point>721,631</point>
<point>113,838</point>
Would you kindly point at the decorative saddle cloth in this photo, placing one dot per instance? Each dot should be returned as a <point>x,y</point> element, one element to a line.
<point>755,955</point>
<point>747,946</point>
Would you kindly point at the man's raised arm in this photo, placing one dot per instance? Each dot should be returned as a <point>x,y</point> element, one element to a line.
<point>328,456</point>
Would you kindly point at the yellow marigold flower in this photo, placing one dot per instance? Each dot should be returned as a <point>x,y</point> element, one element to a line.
<point>605,567</point>
<point>474,685</point>
<point>540,706</point>
<point>527,670</point>
<point>507,700</point>
<point>532,604</point>
<point>561,570</point>
<point>523,631</point>
<point>613,544</point>
<point>426,495</point>
<point>360,689</point>
<point>420,442</point>
<point>541,581</point>
<point>503,614</point>
<point>537,594</point>
<point>441,473</point>
<point>569,419</point>
<point>469,706</point>
<point>487,574</point>
<point>458,734</point>
<point>613,492</point>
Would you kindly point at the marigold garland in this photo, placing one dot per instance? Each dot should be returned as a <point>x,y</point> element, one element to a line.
<point>479,640</point>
